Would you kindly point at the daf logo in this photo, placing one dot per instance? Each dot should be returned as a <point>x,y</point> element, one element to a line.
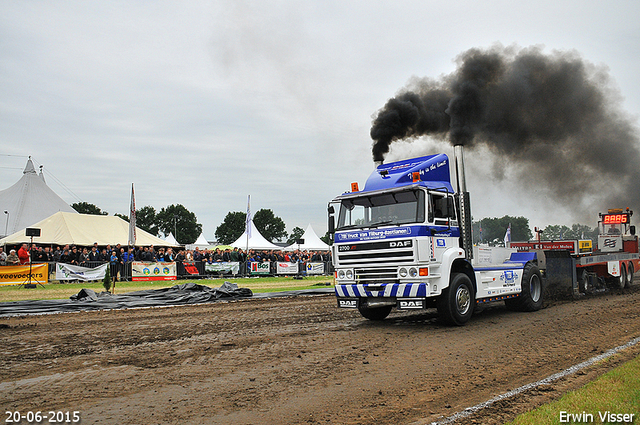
<point>402,304</point>
<point>399,244</point>
<point>348,303</point>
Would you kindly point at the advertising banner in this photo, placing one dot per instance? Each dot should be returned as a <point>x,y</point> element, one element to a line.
<point>17,275</point>
<point>223,267</point>
<point>315,268</point>
<point>287,268</point>
<point>72,272</point>
<point>153,271</point>
<point>260,268</point>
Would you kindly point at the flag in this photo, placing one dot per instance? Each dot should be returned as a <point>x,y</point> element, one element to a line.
<point>507,237</point>
<point>247,226</point>
<point>132,219</point>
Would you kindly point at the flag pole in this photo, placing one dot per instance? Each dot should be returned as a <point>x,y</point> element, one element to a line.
<point>247,226</point>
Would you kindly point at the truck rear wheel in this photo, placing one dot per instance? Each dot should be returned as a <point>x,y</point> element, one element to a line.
<point>531,296</point>
<point>374,313</point>
<point>456,303</point>
<point>630,275</point>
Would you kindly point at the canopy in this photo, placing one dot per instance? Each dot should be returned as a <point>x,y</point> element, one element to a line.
<point>171,240</point>
<point>29,201</point>
<point>201,242</point>
<point>311,242</point>
<point>256,240</point>
<point>64,228</point>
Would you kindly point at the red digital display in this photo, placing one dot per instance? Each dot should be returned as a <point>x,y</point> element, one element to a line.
<point>615,218</point>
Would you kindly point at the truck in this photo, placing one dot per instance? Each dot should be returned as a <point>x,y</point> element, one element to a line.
<point>404,241</point>
<point>611,263</point>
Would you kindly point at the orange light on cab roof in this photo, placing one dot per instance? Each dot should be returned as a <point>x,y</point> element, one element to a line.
<point>354,187</point>
<point>415,176</point>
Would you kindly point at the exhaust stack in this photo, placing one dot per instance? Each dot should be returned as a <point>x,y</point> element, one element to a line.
<point>464,202</point>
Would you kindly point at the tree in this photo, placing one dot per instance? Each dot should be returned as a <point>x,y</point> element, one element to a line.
<point>178,219</point>
<point>146,220</point>
<point>296,234</point>
<point>231,228</point>
<point>492,230</point>
<point>270,226</point>
<point>87,208</point>
<point>577,231</point>
<point>327,238</point>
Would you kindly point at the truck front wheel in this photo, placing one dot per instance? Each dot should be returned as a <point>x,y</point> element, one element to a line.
<point>374,313</point>
<point>456,303</point>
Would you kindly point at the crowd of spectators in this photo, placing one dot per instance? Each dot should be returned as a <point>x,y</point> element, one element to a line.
<point>117,254</point>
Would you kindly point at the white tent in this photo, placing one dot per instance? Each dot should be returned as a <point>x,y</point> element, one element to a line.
<point>64,228</point>
<point>256,240</point>
<point>29,201</point>
<point>201,243</point>
<point>311,242</point>
<point>171,240</point>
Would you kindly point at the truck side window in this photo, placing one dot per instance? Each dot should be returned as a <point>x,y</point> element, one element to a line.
<point>440,207</point>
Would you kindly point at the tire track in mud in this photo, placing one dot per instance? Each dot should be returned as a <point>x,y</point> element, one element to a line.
<point>298,360</point>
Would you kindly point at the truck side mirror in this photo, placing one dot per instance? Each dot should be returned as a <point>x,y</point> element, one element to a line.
<point>331,225</point>
<point>632,230</point>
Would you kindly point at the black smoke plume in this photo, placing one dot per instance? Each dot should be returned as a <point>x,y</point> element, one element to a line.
<point>554,118</point>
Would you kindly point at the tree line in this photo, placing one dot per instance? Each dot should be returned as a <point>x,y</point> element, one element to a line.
<point>184,226</point>
<point>492,231</point>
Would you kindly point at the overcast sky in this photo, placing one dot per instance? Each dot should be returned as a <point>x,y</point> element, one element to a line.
<point>202,103</point>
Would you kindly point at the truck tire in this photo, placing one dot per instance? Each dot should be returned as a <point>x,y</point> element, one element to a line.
<point>375,313</point>
<point>456,303</point>
<point>531,296</point>
<point>630,275</point>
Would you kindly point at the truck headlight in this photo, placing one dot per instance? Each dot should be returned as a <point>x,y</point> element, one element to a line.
<point>349,274</point>
<point>341,274</point>
<point>402,272</point>
<point>413,272</point>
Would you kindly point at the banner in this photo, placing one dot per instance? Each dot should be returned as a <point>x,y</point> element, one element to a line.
<point>287,268</point>
<point>71,272</point>
<point>315,268</point>
<point>223,267</point>
<point>153,271</point>
<point>260,268</point>
<point>17,275</point>
<point>190,268</point>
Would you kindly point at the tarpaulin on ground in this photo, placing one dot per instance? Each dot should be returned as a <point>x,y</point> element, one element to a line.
<point>187,293</point>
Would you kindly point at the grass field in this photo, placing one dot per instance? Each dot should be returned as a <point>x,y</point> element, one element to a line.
<point>52,291</point>
<point>612,398</point>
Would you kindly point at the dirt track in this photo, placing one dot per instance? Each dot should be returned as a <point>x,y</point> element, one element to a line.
<point>301,360</point>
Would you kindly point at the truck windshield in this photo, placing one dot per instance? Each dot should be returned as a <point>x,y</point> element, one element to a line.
<point>383,209</point>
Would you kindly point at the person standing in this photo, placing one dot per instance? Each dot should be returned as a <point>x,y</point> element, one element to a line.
<point>23,254</point>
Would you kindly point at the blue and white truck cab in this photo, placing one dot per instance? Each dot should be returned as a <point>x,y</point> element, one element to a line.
<point>404,241</point>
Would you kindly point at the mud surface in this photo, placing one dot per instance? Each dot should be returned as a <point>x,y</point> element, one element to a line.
<point>301,360</point>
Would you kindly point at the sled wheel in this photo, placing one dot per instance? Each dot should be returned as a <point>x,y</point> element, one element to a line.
<point>585,283</point>
<point>621,281</point>
<point>630,275</point>
<point>456,303</point>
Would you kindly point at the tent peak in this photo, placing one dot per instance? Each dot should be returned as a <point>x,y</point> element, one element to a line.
<point>29,168</point>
